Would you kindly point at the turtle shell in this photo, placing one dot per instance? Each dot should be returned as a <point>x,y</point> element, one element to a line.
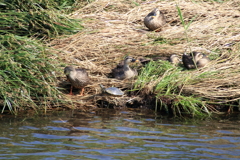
<point>114,91</point>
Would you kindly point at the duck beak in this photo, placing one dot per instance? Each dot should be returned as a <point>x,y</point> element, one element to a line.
<point>135,60</point>
<point>153,17</point>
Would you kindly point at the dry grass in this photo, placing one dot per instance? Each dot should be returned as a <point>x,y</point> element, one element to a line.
<point>114,28</point>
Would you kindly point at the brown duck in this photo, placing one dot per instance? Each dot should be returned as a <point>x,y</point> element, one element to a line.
<point>155,20</point>
<point>200,60</point>
<point>174,59</point>
<point>78,77</point>
<point>123,71</point>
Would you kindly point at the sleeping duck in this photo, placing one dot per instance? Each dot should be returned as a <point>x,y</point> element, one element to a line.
<point>155,20</point>
<point>196,59</point>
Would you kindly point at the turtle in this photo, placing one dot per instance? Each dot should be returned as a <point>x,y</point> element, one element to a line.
<point>111,91</point>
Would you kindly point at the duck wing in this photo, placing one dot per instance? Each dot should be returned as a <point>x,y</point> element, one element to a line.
<point>118,73</point>
<point>82,78</point>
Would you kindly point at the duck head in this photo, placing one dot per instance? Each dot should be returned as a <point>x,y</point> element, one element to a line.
<point>129,59</point>
<point>68,69</point>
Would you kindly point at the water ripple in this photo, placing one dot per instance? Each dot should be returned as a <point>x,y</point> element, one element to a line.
<point>117,135</point>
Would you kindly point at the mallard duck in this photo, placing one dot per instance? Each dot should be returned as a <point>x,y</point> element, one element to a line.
<point>174,59</point>
<point>155,20</point>
<point>78,77</point>
<point>123,71</point>
<point>200,60</point>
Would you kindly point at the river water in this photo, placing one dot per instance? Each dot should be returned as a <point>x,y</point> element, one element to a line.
<point>117,135</point>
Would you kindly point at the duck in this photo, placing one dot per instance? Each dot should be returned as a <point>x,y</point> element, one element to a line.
<point>123,71</point>
<point>196,59</point>
<point>144,61</point>
<point>155,20</point>
<point>78,77</point>
<point>174,59</point>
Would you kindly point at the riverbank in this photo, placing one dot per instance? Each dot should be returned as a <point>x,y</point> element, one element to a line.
<point>114,29</point>
<point>103,33</point>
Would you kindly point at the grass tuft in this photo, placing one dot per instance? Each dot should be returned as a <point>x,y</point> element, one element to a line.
<point>33,19</point>
<point>164,81</point>
<point>27,74</point>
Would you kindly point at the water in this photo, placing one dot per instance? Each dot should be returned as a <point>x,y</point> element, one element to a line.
<point>114,135</point>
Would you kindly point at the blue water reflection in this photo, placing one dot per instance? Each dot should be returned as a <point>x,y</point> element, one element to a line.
<point>111,134</point>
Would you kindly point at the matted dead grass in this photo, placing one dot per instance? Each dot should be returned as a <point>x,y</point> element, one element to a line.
<point>114,29</point>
